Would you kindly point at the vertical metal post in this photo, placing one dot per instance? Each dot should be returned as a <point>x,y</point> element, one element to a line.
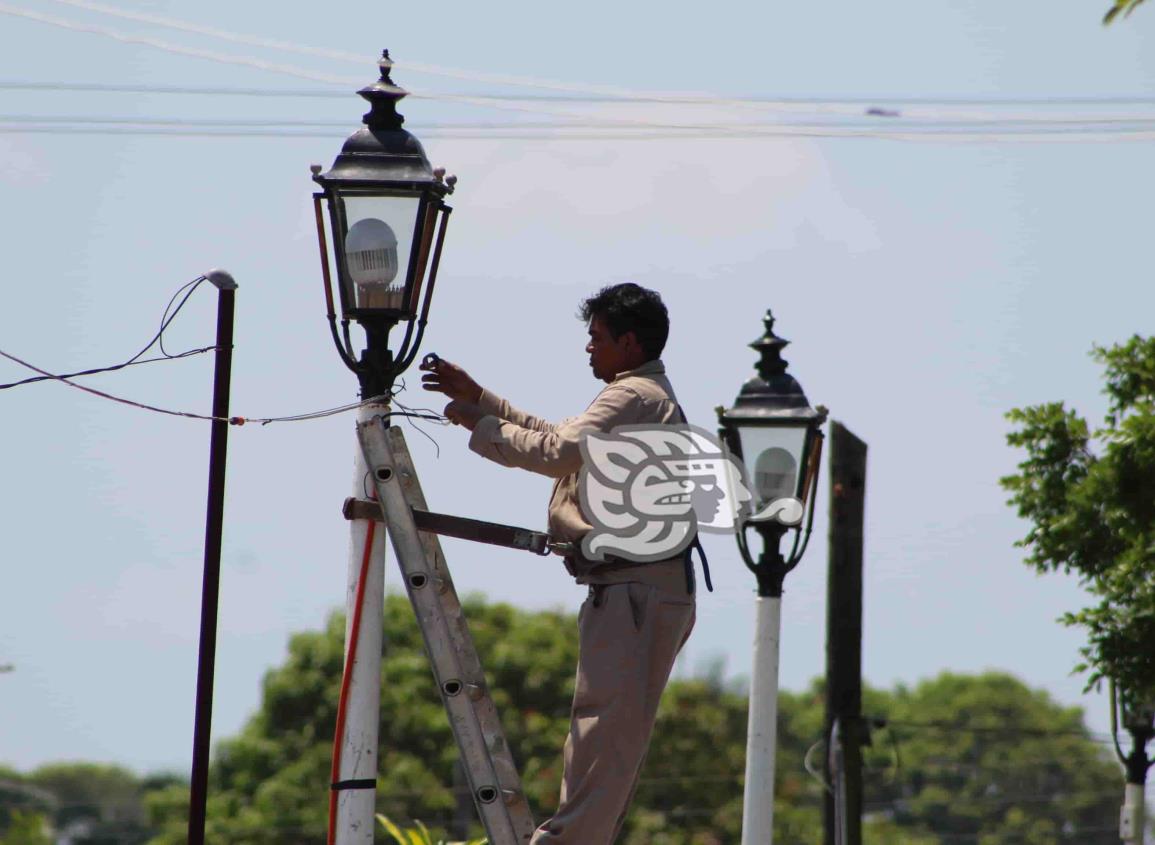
<point>356,783</point>
<point>1140,723</point>
<point>762,718</point>
<point>836,760</point>
<point>762,725</point>
<point>842,815</point>
<point>211,581</point>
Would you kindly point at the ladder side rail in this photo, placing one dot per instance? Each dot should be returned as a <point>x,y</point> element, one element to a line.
<point>472,672</point>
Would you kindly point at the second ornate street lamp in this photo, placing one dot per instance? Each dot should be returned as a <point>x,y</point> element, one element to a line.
<point>387,215</point>
<point>1138,714</point>
<point>777,436</point>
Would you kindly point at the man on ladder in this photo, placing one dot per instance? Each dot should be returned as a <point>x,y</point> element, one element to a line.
<point>637,615</point>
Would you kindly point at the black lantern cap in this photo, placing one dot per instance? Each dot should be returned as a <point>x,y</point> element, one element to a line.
<point>773,393</point>
<point>382,152</point>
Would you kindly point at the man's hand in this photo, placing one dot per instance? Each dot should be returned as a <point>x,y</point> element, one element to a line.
<point>463,413</point>
<point>450,379</point>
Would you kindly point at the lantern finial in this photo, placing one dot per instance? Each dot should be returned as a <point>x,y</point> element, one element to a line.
<point>770,347</point>
<point>383,97</point>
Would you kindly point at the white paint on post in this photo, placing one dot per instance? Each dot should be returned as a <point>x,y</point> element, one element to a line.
<point>355,807</point>
<point>762,726</point>
<point>1131,818</point>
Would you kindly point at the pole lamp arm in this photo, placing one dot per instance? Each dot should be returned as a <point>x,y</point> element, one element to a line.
<point>345,350</point>
<point>407,355</point>
<point>812,494</point>
<point>744,547</point>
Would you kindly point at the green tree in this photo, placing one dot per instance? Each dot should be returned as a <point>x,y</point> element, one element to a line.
<point>25,827</point>
<point>81,803</point>
<point>1092,512</point>
<point>985,759</point>
<point>269,784</point>
<point>98,804</point>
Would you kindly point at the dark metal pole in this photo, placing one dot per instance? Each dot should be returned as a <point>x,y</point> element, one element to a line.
<point>844,632</point>
<point>214,524</point>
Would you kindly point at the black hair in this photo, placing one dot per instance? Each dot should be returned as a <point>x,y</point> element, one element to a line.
<point>628,307</point>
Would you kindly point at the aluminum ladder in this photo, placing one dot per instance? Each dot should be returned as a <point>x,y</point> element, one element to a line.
<point>489,768</point>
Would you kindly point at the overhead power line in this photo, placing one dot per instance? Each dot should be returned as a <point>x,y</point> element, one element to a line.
<point>1023,124</point>
<point>785,131</point>
<point>261,64</point>
<point>341,55</point>
<point>985,128</point>
<point>768,100</point>
<point>847,107</point>
<point>143,40</point>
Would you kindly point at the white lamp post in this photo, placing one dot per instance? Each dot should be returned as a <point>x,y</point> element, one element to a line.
<point>776,434</point>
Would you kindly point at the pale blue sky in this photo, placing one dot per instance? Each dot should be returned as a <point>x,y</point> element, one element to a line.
<point>927,287</point>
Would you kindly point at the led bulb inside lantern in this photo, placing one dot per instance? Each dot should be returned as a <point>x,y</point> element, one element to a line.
<point>775,473</point>
<point>371,255</point>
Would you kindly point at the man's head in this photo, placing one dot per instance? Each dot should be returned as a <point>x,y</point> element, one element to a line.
<point>628,326</point>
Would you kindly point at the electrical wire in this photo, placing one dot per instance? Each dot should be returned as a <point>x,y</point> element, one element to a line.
<point>157,339</point>
<point>340,55</point>
<point>1021,124</point>
<point>244,61</point>
<point>794,102</point>
<point>1076,134</point>
<point>178,90</point>
<point>710,129</point>
<point>1011,730</point>
<point>439,419</point>
<point>236,420</point>
<point>587,93</point>
<point>97,370</point>
<point>713,129</point>
<point>143,40</point>
<point>1080,130</point>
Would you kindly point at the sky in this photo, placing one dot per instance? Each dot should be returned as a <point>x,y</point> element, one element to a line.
<point>928,285</point>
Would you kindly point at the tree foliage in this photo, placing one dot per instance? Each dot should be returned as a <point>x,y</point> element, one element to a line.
<point>1121,7</point>
<point>1089,496</point>
<point>983,759</point>
<point>81,803</point>
<point>958,758</point>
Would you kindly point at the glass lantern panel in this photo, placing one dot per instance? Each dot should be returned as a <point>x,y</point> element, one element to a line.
<point>424,241</point>
<point>772,456</point>
<point>378,241</point>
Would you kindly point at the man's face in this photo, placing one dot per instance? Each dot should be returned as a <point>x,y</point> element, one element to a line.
<point>608,357</point>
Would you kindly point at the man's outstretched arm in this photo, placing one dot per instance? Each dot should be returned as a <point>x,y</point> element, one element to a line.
<point>448,378</point>
<point>554,453</point>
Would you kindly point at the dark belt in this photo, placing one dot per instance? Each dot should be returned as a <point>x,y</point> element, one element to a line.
<point>613,563</point>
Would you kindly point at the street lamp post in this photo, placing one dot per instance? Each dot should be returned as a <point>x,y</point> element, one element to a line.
<point>384,206</point>
<point>1139,720</point>
<point>775,433</point>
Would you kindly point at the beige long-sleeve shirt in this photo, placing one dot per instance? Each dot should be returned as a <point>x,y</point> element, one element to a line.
<point>514,438</point>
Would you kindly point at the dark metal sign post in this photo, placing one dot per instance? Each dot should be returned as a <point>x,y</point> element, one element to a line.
<point>844,726</point>
<point>214,524</point>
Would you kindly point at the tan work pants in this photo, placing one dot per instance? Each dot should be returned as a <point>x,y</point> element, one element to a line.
<point>629,637</point>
